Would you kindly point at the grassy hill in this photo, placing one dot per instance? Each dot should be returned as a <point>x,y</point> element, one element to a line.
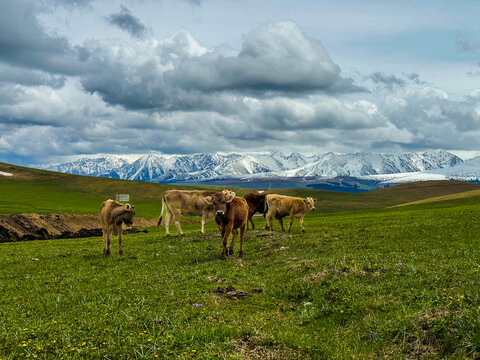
<point>374,283</point>
<point>43,192</point>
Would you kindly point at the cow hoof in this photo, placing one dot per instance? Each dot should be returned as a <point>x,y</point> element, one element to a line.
<point>223,257</point>
<point>168,235</point>
<point>106,253</point>
<point>303,231</point>
<point>240,254</point>
<point>182,234</point>
<point>230,252</point>
<point>120,253</point>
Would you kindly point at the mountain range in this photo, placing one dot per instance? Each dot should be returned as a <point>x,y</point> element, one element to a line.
<point>360,171</point>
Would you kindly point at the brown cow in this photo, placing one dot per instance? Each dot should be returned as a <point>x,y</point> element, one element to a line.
<point>256,203</point>
<point>281,206</point>
<point>231,216</point>
<point>112,215</point>
<point>176,203</point>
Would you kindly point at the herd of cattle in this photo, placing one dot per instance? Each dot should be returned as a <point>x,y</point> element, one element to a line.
<point>232,213</point>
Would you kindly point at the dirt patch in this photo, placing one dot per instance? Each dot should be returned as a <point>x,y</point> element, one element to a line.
<point>251,347</point>
<point>20,227</point>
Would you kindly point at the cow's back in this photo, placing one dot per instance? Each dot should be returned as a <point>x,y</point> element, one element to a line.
<point>256,202</point>
<point>284,205</point>
<point>188,202</point>
<point>237,212</point>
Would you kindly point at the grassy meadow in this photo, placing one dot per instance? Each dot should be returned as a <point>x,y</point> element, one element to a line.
<point>366,280</point>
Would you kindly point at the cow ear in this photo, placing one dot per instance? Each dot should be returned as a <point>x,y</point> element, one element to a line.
<point>305,201</point>
<point>229,197</point>
<point>314,200</point>
<point>128,206</point>
<point>208,200</point>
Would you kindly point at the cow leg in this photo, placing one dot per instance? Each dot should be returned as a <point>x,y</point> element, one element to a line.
<point>301,224</point>
<point>104,233</point>
<point>250,218</point>
<point>227,230</point>
<point>234,236</point>
<point>242,234</point>
<point>204,220</point>
<point>120,250</point>
<point>269,225</point>
<point>168,218</point>
<point>291,222</point>
<point>280,220</point>
<point>106,250</point>
<point>176,219</point>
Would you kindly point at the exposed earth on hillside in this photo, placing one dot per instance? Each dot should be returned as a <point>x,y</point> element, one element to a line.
<point>19,227</point>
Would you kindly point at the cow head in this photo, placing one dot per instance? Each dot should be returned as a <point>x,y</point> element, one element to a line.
<point>126,215</point>
<point>310,203</point>
<point>220,200</point>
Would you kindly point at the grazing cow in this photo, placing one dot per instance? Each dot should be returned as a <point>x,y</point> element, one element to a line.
<point>176,203</point>
<point>231,216</point>
<point>256,203</point>
<point>281,206</point>
<point>112,215</point>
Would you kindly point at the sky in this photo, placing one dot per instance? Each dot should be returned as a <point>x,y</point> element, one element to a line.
<point>86,77</point>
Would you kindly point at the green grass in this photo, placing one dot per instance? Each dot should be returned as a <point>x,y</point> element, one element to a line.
<point>45,192</point>
<point>397,283</point>
<point>373,283</point>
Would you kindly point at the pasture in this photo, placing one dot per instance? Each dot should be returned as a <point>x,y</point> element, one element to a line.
<point>373,283</point>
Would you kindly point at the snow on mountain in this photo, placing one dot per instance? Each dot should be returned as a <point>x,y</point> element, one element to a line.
<point>175,168</point>
<point>104,166</point>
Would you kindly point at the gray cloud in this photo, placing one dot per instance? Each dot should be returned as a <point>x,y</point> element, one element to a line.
<point>179,74</point>
<point>24,42</point>
<point>22,76</point>
<point>127,22</point>
<point>389,81</point>
<point>276,57</point>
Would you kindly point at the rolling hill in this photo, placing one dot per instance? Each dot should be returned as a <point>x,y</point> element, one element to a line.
<point>44,192</point>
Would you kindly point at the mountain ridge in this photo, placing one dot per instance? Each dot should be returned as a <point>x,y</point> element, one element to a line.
<point>377,168</point>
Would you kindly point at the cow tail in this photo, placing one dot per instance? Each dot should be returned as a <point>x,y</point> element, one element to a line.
<point>265,209</point>
<point>161,212</point>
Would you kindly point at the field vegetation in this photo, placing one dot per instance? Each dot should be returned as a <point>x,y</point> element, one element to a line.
<point>366,280</point>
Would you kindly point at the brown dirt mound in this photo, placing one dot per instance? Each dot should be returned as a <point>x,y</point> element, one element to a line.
<point>20,227</point>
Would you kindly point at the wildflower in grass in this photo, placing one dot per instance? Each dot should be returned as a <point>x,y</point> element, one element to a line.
<point>84,343</point>
<point>25,329</point>
<point>149,340</point>
<point>399,264</point>
<point>197,304</point>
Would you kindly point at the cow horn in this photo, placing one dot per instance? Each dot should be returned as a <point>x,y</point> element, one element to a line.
<point>128,206</point>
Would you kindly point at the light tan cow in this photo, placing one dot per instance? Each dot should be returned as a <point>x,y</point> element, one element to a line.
<point>176,203</point>
<point>112,216</point>
<point>281,206</point>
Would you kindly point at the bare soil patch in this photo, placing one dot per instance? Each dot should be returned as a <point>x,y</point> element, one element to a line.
<point>20,227</point>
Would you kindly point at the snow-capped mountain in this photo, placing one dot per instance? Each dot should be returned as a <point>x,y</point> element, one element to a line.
<point>184,168</point>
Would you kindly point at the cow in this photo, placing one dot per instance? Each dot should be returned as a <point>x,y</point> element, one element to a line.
<point>176,203</point>
<point>256,203</point>
<point>281,206</point>
<point>230,216</point>
<point>112,215</point>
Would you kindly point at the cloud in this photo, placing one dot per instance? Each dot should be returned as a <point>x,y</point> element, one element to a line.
<point>177,73</point>
<point>275,57</point>
<point>17,75</point>
<point>389,81</point>
<point>25,43</point>
<point>127,22</point>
